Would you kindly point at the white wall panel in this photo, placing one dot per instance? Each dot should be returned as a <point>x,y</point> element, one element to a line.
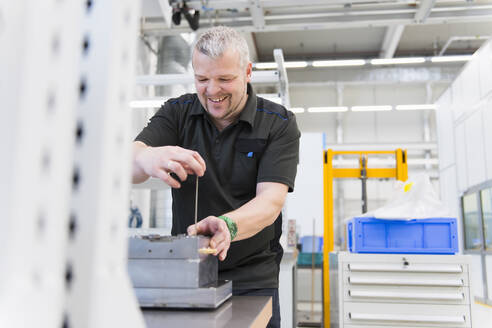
<point>476,276</point>
<point>438,90</point>
<point>449,195</point>
<point>488,263</point>
<point>472,120</point>
<point>360,127</point>
<point>359,96</point>
<point>313,96</point>
<point>457,94</point>
<point>487,134</point>
<point>450,198</point>
<point>485,70</point>
<point>317,122</point>
<point>445,131</point>
<point>306,202</point>
<point>399,94</point>
<point>461,159</point>
<point>475,156</point>
<point>399,126</point>
<point>470,84</point>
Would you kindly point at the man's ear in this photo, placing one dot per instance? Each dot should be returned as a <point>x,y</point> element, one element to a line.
<point>249,70</point>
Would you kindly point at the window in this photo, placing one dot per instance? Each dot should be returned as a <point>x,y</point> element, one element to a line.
<point>473,238</point>
<point>486,198</point>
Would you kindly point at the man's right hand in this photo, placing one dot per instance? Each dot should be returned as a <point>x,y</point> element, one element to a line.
<point>159,162</point>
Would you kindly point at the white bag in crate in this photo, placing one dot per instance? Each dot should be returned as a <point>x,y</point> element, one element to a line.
<point>413,199</point>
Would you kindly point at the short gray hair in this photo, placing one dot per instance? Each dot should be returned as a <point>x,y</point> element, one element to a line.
<point>215,41</point>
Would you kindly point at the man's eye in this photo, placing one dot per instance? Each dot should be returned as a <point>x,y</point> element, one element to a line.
<point>202,80</point>
<point>225,80</point>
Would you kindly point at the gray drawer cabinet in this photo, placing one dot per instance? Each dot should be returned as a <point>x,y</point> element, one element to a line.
<point>404,290</point>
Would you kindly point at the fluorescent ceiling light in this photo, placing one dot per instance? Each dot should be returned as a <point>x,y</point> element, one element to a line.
<point>327,109</point>
<point>148,103</point>
<point>445,59</point>
<point>295,64</point>
<point>393,61</point>
<point>370,108</point>
<point>337,63</point>
<point>416,107</point>
<point>271,65</point>
<point>297,110</point>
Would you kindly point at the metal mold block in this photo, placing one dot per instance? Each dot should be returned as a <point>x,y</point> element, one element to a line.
<point>169,272</point>
<point>170,262</point>
<point>166,247</point>
<point>164,273</point>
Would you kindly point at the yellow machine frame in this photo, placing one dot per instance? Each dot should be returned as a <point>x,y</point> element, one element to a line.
<point>400,172</point>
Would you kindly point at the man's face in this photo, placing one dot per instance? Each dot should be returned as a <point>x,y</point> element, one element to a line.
<point>221,85</point>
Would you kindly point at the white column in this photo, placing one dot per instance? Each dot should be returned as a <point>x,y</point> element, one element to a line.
<point>39,65</point>
<point>101,294</point>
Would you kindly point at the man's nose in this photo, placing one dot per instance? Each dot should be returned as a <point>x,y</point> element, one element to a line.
<point>213,88</point>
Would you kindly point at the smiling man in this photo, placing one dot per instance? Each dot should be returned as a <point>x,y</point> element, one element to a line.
<point>244,148</point>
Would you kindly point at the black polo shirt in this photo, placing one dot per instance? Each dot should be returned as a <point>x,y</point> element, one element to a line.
<point>261,146</point>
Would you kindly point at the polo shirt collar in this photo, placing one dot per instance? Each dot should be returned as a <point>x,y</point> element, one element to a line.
<point>249,111</point>
<point>247,114</point>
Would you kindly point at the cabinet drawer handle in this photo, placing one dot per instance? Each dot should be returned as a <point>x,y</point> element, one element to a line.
<point>406,318</point>
<point>393,267</point>
<point>406,295</point>
<point>405,281</point>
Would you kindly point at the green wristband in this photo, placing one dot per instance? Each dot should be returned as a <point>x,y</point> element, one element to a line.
<point>231,225</point>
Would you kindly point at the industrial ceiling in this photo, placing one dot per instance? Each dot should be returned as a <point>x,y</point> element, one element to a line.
<point>337,29</point>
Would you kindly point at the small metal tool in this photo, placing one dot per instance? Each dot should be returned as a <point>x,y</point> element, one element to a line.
<point>196,201</point>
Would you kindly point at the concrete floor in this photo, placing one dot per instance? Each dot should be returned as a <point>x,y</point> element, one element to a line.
<point>482,316</point>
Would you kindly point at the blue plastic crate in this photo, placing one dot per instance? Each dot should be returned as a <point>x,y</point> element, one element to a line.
<point>307,244</point>
<point>422,236</point>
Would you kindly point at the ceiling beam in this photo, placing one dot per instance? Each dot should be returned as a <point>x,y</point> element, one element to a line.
<point>473,13</point>
<point>284,81</point>
<point>256,11</point>
<point>391,39</point>
<point>243,4</point>
<point>424,11</point>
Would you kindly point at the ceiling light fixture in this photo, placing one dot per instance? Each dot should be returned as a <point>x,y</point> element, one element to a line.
<point>446,59</point>
<point>362,62</point>
<point>338,63</point>
<point>393,61</point>
<point>269,65</point>
<point>297,110</point>
<point>416,107</point>
<point>295,64</point>
<point>337,109</point>
<point>370,108</point>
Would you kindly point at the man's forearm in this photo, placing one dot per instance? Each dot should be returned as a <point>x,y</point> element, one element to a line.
<point>259,212</point>
<point>138,174</point>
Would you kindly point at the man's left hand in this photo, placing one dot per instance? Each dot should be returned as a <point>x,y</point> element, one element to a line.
<point>217,228</point>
